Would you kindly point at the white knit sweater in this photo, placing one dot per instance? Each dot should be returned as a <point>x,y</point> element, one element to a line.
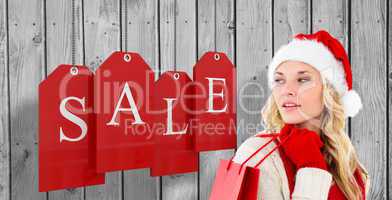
<point>311,183</point>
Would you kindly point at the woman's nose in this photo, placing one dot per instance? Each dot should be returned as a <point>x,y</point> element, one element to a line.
<point>289,90</point>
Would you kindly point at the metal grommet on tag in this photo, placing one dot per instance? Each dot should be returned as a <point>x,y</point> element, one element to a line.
<point>127,57</point>
<point>74,70</point>
<point>176,76</point>
<point>216,56</point>
<point>106,73</point>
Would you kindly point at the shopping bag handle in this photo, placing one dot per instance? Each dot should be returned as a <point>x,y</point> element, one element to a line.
<point>269,153</point>
<point>274,137</point>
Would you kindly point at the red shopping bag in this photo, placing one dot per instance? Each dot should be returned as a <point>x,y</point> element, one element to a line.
<point>66,130</point>
<point>173,149</point>
<point>234,181</point>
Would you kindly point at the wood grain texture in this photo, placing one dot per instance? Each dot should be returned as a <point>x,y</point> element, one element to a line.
<point>59,51</point>
<point>389,76</point>
<point>26,70</point>
<point>101,30</point>
<point>141,36</point>
<point>4,109</point>
<point>368,59</point>
<point>254,51</point>
<point>102,37</point>
<point>178,52</point>
<point>173,34</point>
<point>290,18</point>
<point>333,16</point>
<point>215,33</point>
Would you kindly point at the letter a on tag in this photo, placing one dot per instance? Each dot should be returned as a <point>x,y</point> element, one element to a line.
<point>67,130</point>
<point>122,99</point>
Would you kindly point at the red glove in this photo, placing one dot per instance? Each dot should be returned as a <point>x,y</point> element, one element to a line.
<point>302,147</point>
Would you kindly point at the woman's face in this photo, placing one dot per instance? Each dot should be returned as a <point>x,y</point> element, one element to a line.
<point>297,90</point>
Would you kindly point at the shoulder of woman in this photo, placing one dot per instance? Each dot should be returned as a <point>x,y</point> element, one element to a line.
<point>252,144</point>
<point>272,169</point>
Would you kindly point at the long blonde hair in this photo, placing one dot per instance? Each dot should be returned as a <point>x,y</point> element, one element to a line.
<point>338,150</point>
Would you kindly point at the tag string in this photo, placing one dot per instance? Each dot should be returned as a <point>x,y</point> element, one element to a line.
<point>73,33</point>
<point>124,12</point>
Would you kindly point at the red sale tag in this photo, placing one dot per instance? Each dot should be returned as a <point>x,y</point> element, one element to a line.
<point>173,150</point>
<point>122,99</point>
<point>214,126</point>
<point>66,130</point>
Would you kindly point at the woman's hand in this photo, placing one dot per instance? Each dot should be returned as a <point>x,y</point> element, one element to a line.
<point>302,147</point>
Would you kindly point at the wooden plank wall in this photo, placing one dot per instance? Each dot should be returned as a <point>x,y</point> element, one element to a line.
<point>36,36</point>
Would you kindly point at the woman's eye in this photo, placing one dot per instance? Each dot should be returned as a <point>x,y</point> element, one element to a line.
<point>278,80</point>
<point>303,80</point>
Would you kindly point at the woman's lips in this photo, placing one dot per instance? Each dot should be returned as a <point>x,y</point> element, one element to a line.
<point>290,106</point>
<point>287,109</point>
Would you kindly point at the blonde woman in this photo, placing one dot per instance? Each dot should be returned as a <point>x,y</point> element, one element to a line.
<point>312,95</point>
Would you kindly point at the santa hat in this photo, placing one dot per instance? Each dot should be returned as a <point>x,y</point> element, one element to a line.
<point>327,55</point>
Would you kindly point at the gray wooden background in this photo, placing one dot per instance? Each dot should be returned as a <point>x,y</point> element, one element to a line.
<point>35,36</point>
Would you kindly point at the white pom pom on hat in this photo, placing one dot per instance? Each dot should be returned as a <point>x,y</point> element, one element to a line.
<point>351,103</point>
<point>326,54</point>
